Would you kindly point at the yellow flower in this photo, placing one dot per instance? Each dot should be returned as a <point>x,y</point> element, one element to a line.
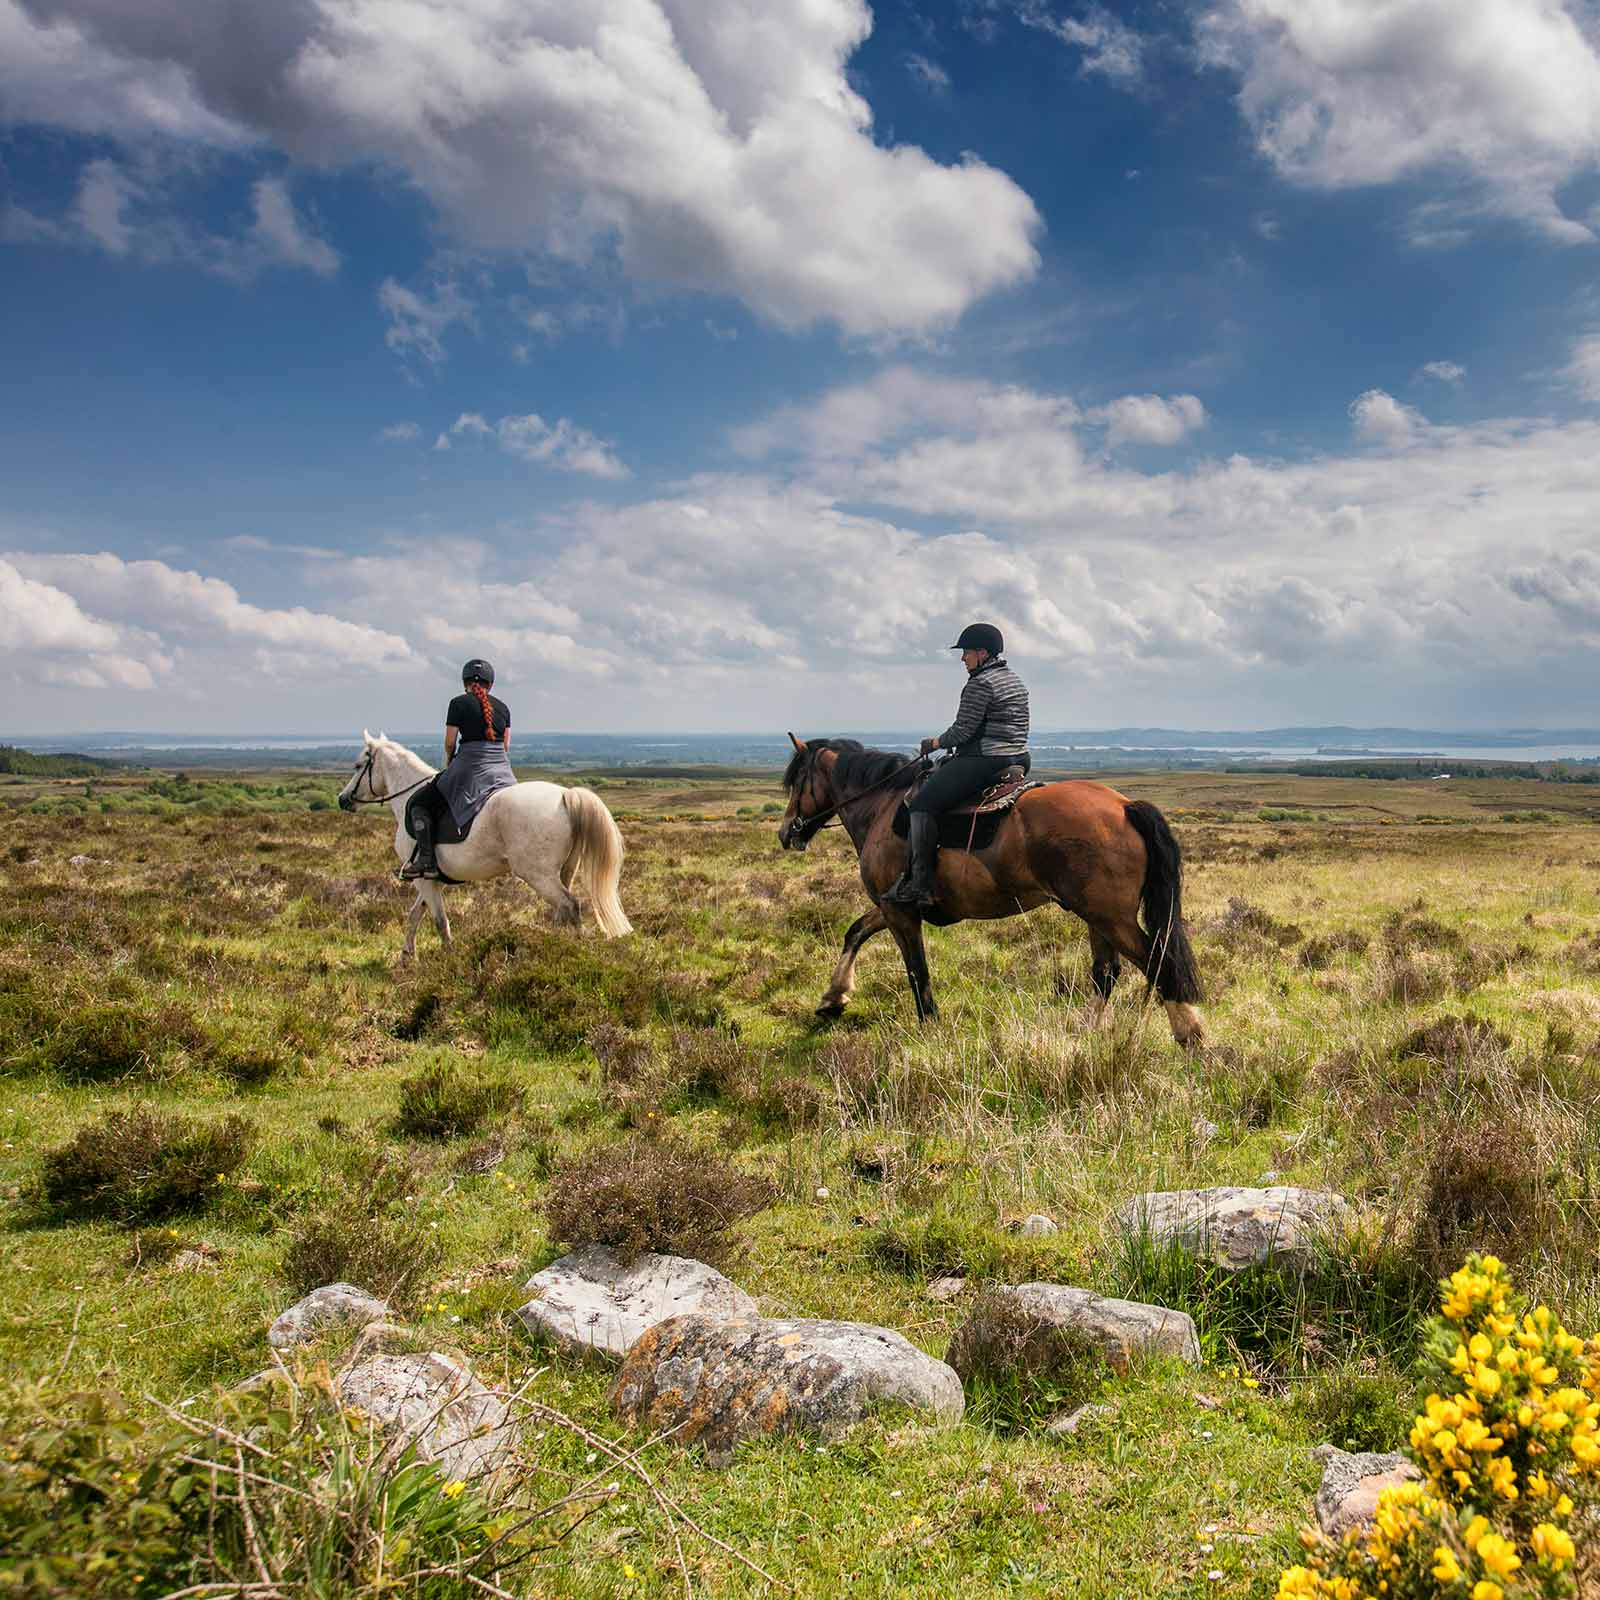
<point>453,1489</point>
<point>1445,1566</point>
<point>1498,1555</point>
<point>1553,1547</point>
<point>627,1571</point>
<point>1485,1590</point>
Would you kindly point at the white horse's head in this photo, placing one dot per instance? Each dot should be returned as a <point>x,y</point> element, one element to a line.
<point>383,770</point>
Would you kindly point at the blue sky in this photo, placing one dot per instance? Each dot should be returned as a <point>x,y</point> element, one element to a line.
<point>706,363</point>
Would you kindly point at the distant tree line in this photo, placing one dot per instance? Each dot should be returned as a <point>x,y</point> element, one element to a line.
<point>1581,771</point>
<point>25,764</point>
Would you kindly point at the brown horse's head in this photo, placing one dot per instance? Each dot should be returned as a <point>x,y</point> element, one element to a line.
<point>811,798</point>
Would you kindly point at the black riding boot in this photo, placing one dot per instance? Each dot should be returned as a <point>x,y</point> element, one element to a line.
<point>915,884</point>
<point>423,863</point>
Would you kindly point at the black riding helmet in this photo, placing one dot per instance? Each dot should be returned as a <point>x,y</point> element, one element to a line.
<point>478,671</point>
<point>981,636</point>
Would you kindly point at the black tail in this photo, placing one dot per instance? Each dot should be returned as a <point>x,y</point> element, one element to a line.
<point>1171,966</point>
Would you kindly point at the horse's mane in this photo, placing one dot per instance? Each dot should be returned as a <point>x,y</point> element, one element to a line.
<point>857,767</point>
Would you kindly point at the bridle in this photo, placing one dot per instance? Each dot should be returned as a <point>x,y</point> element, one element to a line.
<point>804,829</point>
<point>372,797</point>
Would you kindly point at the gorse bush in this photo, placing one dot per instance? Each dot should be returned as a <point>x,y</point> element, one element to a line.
<point>652,1194</point>
<point>139,1166</point>
<point>1509,1445</point>
<point>443,1102</point>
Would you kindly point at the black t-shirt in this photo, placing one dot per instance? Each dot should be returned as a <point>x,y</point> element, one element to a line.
<point>466,714</point>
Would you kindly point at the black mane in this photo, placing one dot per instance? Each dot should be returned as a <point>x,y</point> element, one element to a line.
<point>857,766</point>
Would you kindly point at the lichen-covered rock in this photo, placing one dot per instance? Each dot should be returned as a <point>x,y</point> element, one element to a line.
<point>942,1289</point>
<point>435,1404</point>
<point>1237,1228</point>
<point>1122,1329</point>
<point>590,1300</point>
<point>332,1305</point>
<point>723,1381</point>
<point>1351,1484</point>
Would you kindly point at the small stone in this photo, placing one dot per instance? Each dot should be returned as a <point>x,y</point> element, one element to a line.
<point>434,1404</point>
<point>1351,1483</point>
<point>190,1261</point>
<point>332,1305</point>
<point>1068,1422</point>
<point>590,1300</point>
<point>942,1289</point>
<point>724,1381</point>
<point>1037,1226</point>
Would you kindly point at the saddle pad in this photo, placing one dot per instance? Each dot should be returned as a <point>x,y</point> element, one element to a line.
<point>977,823</point>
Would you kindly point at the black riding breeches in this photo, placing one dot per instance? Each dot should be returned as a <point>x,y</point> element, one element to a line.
<point>961,779</point>
<point>425,802</point>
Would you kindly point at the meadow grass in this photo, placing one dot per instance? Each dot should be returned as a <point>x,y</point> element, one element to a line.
<point>1402,1006</point>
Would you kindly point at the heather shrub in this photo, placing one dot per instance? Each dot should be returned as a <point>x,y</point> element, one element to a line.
<point>444,1102</point>
<point>652,1194</point>
<point>142,1165</point>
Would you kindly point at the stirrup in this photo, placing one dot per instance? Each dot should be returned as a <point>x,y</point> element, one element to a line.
<point>414,869</point>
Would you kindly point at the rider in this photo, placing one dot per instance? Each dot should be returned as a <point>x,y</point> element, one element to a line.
<point>477,739</point>
<point>990,733</point>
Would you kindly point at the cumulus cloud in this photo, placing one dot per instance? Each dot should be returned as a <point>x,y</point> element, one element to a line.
<point>530,438</point>
<point>701,143</point>
<point>419,322</point>
<point>1500,98</point>
<point>1443,372</point>
<point>46,636</point>
<point>1381,419</point>
<point>928,73</point>
<point>1150,419</point>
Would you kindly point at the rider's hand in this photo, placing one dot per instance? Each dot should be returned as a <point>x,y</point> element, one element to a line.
<point>928,746</point>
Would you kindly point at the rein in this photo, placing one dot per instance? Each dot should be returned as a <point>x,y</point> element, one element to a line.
<point>817,820</point>
<point>373,798</point>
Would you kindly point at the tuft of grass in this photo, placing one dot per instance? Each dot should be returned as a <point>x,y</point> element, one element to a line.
<point>1356,1409</point>
<point>442,1102</point>
<point>142,1165</point>
<point>652,1194</point>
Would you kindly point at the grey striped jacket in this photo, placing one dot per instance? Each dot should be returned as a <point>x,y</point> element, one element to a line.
<point>992,719</point>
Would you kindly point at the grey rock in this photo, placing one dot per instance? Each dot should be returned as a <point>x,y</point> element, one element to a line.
<point>1351,1484</point>
<point>724,1381</point>
<point>1067,1423</point>
<point>1037,1226</point>
<point>1122,1329</point>
<point>1237,1228</point>
<point>942,1289</point>
<point>191,1261</point>
<point>589,1300</point>
<point>435,1404</point>
<point>1205,1130</point>
<point>1267,1178</point>
<point>332,1305</point>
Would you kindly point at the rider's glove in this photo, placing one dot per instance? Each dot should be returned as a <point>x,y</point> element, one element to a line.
<point>929,745</point>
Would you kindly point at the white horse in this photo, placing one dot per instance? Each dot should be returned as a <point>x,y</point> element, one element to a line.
<point>552,838</point>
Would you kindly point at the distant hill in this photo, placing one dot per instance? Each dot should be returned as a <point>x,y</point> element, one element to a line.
<point>25,764</point>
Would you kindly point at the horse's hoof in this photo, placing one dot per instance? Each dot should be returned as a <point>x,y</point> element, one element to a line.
<point>831,1011</point>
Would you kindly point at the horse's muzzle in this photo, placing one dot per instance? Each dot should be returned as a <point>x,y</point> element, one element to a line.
<point>346,803</point>
<point>791,837</point>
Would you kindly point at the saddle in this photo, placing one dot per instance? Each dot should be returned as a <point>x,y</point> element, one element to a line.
<point>974,825</point>
<point>445,829</point>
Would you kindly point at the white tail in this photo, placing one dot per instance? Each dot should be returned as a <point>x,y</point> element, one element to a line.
<point>594,863</point>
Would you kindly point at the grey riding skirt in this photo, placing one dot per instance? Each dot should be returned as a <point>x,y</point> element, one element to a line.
<point>477,771</point>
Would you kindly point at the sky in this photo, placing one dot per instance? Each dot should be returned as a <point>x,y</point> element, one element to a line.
<point>706,364</point>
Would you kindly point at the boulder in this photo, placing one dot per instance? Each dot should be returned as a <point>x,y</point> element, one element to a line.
<point>434,1403</point>
<point>332,1305</point>
<point>590,1300</point>
<point>1237,1228</point>
<point>1122,1329</point>
<point>942,1289</point>
<point>1351,1484</point>
<point>1037,1226</point>
<point>723,1381</point>
<point>1066,1423</point>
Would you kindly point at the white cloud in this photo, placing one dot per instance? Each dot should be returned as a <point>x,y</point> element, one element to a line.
<point>530,438</point>
<point>1110,47</point>
<point>1443,371</point>
<point>418,323</point>
<point>1381,419</point>
<point>1582,372</point>
<point>282,237</point>
<point>1149,419</point>
<point>702,143</point>
<point>928,73</point>
<point>1500,98</point>
<point>401,433</point>
<point>45,636</point>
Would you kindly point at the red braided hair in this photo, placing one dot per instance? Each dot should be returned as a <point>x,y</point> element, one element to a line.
<point>488,710</point>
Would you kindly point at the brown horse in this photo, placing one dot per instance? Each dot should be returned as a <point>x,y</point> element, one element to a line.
<point>1078,845</point>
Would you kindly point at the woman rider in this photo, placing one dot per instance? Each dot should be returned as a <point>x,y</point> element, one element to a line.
<point>477,741</point>
<point>990,733</point>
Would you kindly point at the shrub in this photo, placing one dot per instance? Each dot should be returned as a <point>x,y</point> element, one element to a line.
<point>1450,1039</point>
<point>1482,1188</point>
<point>1320,952</point>
<point>1242,919</point>
<point>442,1102</point>
<point>141,1165</point>
<point>1356,1410</point>
<point>1509,1445</point>
<point>652,1194</point>
<point>1020,1370</point>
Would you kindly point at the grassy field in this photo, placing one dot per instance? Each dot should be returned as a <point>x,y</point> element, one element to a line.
<point>1402,1005</point>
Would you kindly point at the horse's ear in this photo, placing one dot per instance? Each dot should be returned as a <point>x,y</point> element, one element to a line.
<point>366,738</point>
<point>799,744</point>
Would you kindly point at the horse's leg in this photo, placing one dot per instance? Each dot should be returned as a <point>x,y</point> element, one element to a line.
<point>413,921</point>
<point>842,985</point>
<point>1105,970</point>
<point>1184,1020</point>
<point>441,917</point>
<point>545,881</point>
<point>906,927</point>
